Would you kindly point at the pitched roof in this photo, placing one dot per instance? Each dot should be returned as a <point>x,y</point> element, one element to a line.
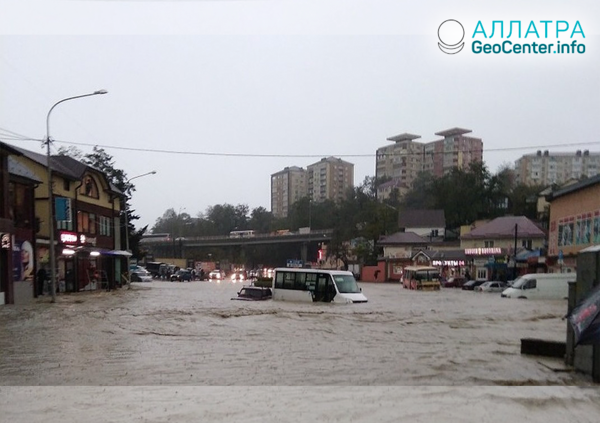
<point>504,227</point>
<point>56,166</point>
<point>17,169</point>
<point>448,255</point>
<point>8,149</point>
<point>569,189</point>
<point>422,219</point>
<point>402,238</point>
<point>66,166</point>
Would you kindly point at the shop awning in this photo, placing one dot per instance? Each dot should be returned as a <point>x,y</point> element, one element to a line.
<point>524,255</point>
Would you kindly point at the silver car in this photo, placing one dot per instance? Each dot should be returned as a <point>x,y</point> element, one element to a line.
<point>491,286</point>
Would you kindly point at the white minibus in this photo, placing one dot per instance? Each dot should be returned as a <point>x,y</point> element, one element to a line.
<point>547,286</point>
<point>316,285</point>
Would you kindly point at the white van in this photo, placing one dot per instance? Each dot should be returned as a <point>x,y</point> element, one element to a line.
<point>316,285</point>
<point>546,286</point>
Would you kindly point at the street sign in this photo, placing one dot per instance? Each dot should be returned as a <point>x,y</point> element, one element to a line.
<point>295,263</point>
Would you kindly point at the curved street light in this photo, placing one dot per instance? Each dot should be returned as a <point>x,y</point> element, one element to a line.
<point>127,186</point>
<point>50,194</point>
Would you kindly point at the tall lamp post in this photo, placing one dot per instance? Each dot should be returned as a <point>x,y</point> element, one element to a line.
<point>50,197</point>
<point>127,186</point>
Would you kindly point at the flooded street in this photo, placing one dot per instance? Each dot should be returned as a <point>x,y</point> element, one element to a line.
<point>166,342</point>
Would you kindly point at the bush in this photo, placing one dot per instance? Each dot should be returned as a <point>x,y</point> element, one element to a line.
<point>264,282</point>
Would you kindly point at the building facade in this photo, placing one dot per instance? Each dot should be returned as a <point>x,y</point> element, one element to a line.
<point>17,229</point>
<point>329,179</point>
<point>574,222</point>
<point>86,214</point>
<point>492,248</point>
<point>402,161</point>
<point>545,168</point>
<point>287,187</point>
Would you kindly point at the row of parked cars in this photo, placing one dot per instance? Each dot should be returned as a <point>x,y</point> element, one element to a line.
<point>480,285</point>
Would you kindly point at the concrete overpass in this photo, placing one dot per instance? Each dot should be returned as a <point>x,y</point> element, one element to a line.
<point>301,245</point>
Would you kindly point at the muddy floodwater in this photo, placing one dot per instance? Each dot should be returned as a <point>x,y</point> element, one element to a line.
<point>170,341</point>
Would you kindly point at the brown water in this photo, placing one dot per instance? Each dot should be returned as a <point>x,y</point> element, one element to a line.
<point>165,342</point>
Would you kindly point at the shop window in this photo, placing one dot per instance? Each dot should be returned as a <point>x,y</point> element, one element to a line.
<point>104,224</point>
<point>92,224</point>
<point>83,222</point>
<point>64,225</point>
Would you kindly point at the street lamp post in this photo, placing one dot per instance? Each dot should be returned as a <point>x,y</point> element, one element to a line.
<point>127,186</point>
<point>50,197</point>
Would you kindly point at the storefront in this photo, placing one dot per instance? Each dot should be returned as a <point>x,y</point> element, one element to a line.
<point>488,263</point>
<point>451,263</point>
<point>5,264</point>
<point>85,266</point>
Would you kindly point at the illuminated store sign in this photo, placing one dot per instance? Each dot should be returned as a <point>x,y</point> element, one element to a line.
<point>68,238</point>
<point>453,263</point>
<point>483,251</point>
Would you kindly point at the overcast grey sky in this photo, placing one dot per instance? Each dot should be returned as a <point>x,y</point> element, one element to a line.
<point>297,79</point>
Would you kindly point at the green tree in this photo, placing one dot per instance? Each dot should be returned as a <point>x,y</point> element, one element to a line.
<point>261,220</point>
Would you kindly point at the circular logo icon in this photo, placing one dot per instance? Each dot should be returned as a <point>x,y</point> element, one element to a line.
<point>451,34</point>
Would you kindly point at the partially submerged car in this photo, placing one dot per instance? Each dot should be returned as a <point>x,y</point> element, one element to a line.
<point>216,275</point>
<point>141,275</point>
<point>491,286</point>
<point>254,293</point>
<point>182,275</point>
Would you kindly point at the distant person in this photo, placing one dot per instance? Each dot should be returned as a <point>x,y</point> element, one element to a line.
<point>41,277</point>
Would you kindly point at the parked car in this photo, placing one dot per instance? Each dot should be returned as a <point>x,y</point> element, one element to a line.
<point>472,284</point>
<point>254,293</point>
<point>454,282</point>
<point>181,275</point>
<point>141,276</point>
<point>491,286</point>
<point>216,275</point>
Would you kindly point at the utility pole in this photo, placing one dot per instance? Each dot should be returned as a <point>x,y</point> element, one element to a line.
<point>515,252</point>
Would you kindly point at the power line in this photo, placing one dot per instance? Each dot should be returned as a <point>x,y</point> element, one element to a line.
<point>264,155</point>
<point>10,135</point>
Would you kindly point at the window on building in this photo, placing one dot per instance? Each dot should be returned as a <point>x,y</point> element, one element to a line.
<point>527,243</point>
<point>83,222</point>
<point>89,187</point>
<point>20,205</point>
<point>92,225</point>
<point>104,225</point>
<point>489,244</point>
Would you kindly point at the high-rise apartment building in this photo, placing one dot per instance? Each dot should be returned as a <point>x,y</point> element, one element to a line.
<point>287,187</point>
<point>403,160</point>
<point>544,168</point>
<point>455,151</point>
<point>329,179</point>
